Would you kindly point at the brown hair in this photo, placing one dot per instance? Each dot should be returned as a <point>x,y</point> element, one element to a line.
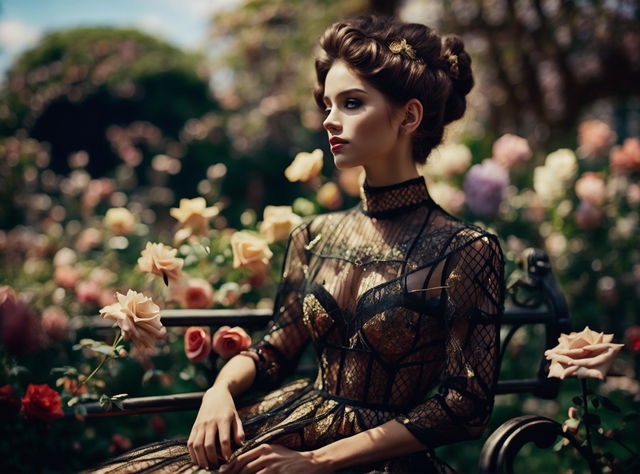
<point>438,74</point>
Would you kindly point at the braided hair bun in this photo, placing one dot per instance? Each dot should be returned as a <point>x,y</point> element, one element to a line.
<point>403,61</point>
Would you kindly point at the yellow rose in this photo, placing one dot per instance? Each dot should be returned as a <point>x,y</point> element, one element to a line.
<point>161,260</point>
<point>278,223</point>
<point>119,220</point>
<point>329,196</point>
<point>585,354</point>
<point>137,316</point>
<point>250,251</point>
<point>305,166</point>
<point>193,214</point>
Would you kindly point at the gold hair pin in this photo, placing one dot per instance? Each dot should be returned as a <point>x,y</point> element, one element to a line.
<point>453,66</point>
<point>402,46</point>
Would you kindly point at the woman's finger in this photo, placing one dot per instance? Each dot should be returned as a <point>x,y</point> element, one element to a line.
<point>238,430</point>
<point>239,463</point>
<point>209,448</point>
<point>224,433</point>
<point>195,442</point>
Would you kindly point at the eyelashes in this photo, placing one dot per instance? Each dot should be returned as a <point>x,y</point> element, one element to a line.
<point>349,104</point>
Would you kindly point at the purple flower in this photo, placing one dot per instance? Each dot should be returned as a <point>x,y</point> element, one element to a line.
<point>484,186</point>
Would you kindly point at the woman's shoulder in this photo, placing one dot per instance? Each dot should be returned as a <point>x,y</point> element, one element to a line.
<point>465,236</point>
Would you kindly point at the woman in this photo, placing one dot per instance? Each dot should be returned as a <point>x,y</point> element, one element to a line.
<point>401,301</point>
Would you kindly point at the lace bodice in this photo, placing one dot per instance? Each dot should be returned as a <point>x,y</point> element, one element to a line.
<point>401,302</point>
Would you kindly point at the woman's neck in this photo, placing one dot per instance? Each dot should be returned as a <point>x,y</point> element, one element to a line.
<point>385,176</point>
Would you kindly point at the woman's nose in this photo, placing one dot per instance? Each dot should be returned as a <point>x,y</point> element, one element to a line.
<point>331,124</point>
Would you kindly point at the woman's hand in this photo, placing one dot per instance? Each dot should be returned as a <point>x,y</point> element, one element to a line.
<point>274,458</point>
<point>216,423</point>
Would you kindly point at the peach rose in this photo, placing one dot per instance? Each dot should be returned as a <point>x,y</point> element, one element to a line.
<point>7,293</point>
<point>119,220</point>
<point>250,251</point>
<point>193,214</point>
<point>585,354</point>
<point>161,259</point>
<point>595,136</point>
<point>89,238</point>
<point>228,341</point>
<point>590,187</point>
<point>137,316</point>
<point>278,223</point>
<point>329,196</point>
<point>305,166</point>
<point>197,343</point>
<point>66,276</point>
<point>55,323</point>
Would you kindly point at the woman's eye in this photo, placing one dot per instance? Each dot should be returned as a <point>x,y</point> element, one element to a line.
<point>352,103</point>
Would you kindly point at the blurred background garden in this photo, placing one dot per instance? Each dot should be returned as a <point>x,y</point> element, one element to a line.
<point>166,121</point>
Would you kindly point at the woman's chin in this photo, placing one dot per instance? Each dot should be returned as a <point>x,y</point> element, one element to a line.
<point>343,162</point>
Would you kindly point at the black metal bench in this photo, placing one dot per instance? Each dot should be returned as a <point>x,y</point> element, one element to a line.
<point>535,299</point>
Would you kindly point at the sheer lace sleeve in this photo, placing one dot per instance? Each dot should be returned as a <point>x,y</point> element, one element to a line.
<point>279,350</point>
<point>475,299</point>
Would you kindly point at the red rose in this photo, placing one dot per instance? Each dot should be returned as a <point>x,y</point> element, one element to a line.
<point>197,343</point>
<point>227,341</point>
<point>42,403</point>
<point>632,335</point>
<point>9,403</point>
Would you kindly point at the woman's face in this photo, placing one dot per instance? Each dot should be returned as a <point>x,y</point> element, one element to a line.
<point>361,123</point>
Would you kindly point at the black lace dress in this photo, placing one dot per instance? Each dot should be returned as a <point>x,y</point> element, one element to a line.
<point>402,304</point>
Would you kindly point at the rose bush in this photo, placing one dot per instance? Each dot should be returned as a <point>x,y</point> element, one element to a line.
<point>228,341</point>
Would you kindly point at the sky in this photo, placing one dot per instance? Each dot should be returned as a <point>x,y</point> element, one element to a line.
<point>183,23</point>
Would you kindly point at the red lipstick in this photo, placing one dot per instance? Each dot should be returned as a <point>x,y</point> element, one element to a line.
<point>337,143</point>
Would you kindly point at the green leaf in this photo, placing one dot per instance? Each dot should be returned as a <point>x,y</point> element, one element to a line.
<point>595,402</point>
<point>119,404</point>
<point>119,396</point>
<point>17,370</point>
<point>72,401</point>
<point>609,405</point>
<point>66,370</point>
<point>591,419</point>
<point>577,401</point>
<point>80,410</point>
<point>631,417</point>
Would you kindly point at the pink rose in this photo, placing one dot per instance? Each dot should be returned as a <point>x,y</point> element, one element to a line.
<point>511,150</point>
<point>585,354</point>
<point>625,158</point>
<point>88,239</point>
<point>119,443</point>
<point>590,187</point>
<point>197,294</point>
<point>228,341</point>
<point>88,292</point>
<point>20,329</point>
<point>55,323</point>
<point>595,136</point>
<point>197,343</point>
<point>588,216</point>
<point>66,276</point>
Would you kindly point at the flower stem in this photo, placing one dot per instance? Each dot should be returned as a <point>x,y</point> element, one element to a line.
<point>586,413</point>
<point>104,359</point>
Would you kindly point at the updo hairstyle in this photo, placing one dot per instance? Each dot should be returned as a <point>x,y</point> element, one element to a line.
<point>437,71</point>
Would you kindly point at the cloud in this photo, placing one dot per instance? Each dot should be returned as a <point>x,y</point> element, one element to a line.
<point>16,36</point>
<point>203,8</point>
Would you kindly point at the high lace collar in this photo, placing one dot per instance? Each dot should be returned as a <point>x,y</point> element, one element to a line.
<point>387,201</point>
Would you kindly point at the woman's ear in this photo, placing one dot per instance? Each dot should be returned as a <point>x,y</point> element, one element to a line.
<point>412,116</point>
